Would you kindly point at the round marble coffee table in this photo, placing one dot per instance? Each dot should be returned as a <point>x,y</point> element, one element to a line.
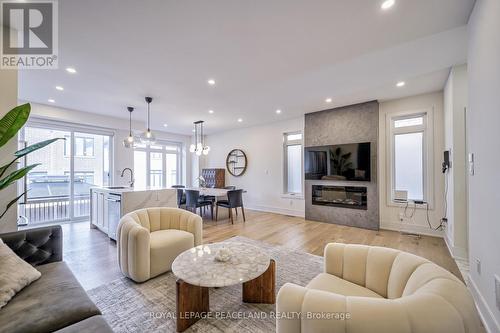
<point>197,270</point>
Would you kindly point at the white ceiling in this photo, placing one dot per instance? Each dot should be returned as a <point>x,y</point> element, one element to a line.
<point>264,55</point>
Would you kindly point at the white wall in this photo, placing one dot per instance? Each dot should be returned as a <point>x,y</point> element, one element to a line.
<point>8,100</point>
<point>389,214</point>
<point>123,157</point>
<point>483,126</point>
<point>263,178</point>
<point>455,103</point>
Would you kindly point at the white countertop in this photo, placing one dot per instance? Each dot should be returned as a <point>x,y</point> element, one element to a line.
<point>124,189</point>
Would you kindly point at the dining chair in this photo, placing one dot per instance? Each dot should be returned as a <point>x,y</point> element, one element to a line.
<point>181,197</point>
<point>234,200</point>
<point>193,201</point>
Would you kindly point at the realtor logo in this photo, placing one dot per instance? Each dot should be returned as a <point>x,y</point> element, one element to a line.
<point>29,34</point>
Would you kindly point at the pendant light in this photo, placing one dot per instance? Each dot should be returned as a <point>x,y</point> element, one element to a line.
<point>148,137</point>
<point>128,142</point>
<point>198,146</point>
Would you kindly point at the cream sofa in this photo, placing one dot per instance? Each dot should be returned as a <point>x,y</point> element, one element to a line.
<point>150,239</point>
<point>377,290</point>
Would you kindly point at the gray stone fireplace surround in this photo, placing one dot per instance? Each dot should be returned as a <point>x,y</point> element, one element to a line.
<point>351,124</point>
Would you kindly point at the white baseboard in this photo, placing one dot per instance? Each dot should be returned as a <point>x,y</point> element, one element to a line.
<point>277,210</point>
<point>487,317</point>
<point>411,228</point>
<point>456,252</point>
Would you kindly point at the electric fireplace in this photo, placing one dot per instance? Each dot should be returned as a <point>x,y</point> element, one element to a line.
<point>354,197</point>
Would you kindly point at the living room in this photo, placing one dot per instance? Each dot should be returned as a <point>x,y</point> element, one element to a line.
<point>231,166</point>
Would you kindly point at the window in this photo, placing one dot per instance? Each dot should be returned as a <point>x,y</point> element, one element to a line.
<point>292,148</point>
<point>158,165</point>
<point>83,146</point>
<point>410,138</point>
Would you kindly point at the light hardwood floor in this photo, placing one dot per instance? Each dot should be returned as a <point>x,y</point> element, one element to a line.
<point>92,256</point>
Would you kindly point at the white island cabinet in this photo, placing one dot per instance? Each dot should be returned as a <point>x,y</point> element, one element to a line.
<point>109,204</point>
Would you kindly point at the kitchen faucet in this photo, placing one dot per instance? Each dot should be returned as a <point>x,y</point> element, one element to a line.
<point>131,183</point>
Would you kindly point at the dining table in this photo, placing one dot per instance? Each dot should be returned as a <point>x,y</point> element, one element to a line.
<point>210,191</point>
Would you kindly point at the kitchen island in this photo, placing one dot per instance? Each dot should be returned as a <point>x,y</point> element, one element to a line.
<point>109,204</point>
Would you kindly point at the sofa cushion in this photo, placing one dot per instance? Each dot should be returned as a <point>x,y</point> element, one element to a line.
<point>15,274</point>
<point>95,324</point>
<point>54,301</point>
<point>334,284</point>
<point>165,246</point>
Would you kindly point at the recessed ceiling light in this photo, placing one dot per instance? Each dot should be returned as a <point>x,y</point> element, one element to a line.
<point>51,100</point>
<point>278,111</point>
<point>328,100</point>
<point>71,70</point>
<point>165,125</point>
<point>211,82</point>
<point>387,4</point>
<point>401,84</point>
<point>59,88</point>
<point>240,120</point>
<point>211,111</point>
<point>193,130</point>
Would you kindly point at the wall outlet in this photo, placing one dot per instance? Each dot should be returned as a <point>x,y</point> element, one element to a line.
<point>478,266</point>
<point>497,291</point>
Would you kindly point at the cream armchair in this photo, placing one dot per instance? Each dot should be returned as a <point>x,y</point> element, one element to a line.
<point>377,290</point>
<point>150,239</point>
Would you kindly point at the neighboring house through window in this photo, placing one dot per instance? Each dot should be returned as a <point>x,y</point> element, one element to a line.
<point>84,146</point>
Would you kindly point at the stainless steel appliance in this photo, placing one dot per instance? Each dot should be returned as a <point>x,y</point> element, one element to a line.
<point>113,202</point>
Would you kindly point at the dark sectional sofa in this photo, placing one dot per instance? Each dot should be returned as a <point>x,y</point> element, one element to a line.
<point>56,302</point>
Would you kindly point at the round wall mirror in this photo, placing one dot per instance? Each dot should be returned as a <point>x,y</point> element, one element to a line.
<point>236,162</point>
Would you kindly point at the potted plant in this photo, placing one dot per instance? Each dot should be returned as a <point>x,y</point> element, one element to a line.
<point>10,125</point>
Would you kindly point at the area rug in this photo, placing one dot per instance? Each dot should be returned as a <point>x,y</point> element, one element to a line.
<point>150,306</point>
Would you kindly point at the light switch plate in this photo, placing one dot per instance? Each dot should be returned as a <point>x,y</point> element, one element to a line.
<point>497,291</point>
<point>478,266</point>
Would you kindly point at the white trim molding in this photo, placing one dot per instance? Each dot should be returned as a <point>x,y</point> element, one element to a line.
<point>411,228</point>
<point>455,251</point>
<point>277,210</point>
<point>489,321</point>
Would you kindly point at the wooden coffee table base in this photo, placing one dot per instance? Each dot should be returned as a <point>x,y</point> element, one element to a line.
<point>263,288</point>
<point>192,304</point>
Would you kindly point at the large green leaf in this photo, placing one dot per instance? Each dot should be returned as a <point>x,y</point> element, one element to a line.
<point>12,122</point>
<point>11,203</point>
<point>16,175</point>
<point>5,167</point>
<point>33,147</point>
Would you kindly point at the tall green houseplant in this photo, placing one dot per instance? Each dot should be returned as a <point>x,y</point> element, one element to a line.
<point>10,125</point>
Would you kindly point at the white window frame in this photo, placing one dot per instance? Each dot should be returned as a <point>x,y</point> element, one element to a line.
<point>147,149</point>
<point>428,153</point>
<point>287,143</point>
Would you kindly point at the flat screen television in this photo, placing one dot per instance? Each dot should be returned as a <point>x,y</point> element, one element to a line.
<point>338,162</point>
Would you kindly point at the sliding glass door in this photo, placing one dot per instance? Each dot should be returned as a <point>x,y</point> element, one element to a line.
<point>58,189</point>
<point>91,168</point>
